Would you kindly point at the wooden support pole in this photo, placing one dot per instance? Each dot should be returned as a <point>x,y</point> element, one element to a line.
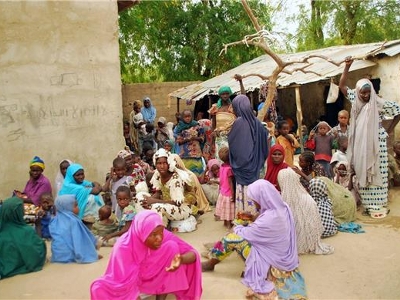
<point>299,116</point>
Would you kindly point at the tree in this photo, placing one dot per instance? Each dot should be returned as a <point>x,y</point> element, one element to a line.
<point>347,22</point>
<point>181,40</point>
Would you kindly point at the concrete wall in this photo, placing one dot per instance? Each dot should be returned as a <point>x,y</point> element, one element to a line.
<point>60,94</point>
<point>158,93</point>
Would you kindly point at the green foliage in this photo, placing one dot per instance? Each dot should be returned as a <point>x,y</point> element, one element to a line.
<point>180,40</point>
<point>347,22</point>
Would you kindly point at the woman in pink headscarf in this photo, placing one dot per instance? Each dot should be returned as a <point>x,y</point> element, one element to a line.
<point>151,260</point>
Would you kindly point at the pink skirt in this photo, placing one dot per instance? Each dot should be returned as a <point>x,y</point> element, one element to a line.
<point>225,208</point>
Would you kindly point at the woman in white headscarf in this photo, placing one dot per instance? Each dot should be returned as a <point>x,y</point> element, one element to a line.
<point>62,170</point>
<point>367,150</point>
<point>171,200</point>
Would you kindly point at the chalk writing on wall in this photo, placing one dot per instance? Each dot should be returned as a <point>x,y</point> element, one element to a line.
<point>22,118</point>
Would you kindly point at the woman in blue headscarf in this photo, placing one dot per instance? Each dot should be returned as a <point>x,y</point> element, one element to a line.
<point>72,241</point>
<point>148,111</point>
<point>86,193</point>
<point>248,150</point>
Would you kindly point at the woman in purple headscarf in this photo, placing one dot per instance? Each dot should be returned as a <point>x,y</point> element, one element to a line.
<point>248,150</point>
<point>268,247</point>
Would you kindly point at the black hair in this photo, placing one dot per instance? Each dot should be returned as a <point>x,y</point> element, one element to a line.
<point>186,110</point>
<point>309,157</point>
<point>342,139</point>
<point>118,161</point>
<point>281,123</point>
<point>123,189</point>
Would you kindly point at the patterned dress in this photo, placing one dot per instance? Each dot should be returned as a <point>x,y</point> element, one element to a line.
<point>288,284</point>
<point>174,190</point>
<point>373,195</point>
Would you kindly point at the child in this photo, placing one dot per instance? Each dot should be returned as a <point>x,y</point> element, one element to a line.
<point>127,135</point>
<point>169,146</point>
<point>142,167</point>
<point>288,141</point>
<point>340,155</point>
<point>346,179</point>
<point>161,133</point>
<point>146,137</point>
<point>105,225</point>
<point>138,173</point>
<point>45,214</point>
<point>225,209</point>
<point>115,180</point>
<point>342,129</point>
<point>124,199</point>
<point>72,240</point>
<point>210,182</point>
<point>322,144</point>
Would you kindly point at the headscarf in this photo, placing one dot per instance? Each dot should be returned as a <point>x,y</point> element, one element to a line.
<point>309,227</point>
<point>248,147</point>
<point>124,153</point>
<point>363,148</point>
<point>133,268</point>
<point>272,237</point>
<point>182,125</point>
<point>172,163</point>
<point>210,164</point>
<point>81,191</point>
<point>273,169</point>
<point>223,89</point>
<point>149,114</point>
<point>59,177</point>
<point>37,161</point>
<point>21,249</point>
<point>137,103</point>
<point>72,240</point>
<point>201,199</point>
<point>162,120</point>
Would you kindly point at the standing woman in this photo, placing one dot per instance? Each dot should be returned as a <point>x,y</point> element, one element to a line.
<point>367,150</point>
<point>222,118</point>
<point>135,118</point>
<point>248,150</point>
<point>148,111</point>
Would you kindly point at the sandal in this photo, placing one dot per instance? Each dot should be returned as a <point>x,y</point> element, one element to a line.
<point>205,255</point>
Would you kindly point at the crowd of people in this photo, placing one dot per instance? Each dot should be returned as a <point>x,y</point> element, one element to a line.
<point>169,175</point>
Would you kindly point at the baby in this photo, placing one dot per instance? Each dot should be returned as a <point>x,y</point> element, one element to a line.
<point>105,225</point>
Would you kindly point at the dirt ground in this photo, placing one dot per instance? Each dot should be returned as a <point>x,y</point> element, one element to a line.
<point>364,266</point>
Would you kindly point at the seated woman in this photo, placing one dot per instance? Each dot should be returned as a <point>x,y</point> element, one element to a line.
<point>309,227</point>
<point>171,200</point>
<point>149,259</point>
<point>72,240</point>
<point>62,170</point>
<point>343,203</point>
<point>37,185</point>
<point>275,163</point>
<point>189,136</point>
<point>210,180</point>
<point>21,249</point>
<point>86,193</point>
<point>268,246</point>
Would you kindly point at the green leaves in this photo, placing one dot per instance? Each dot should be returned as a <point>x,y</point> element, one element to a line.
<point>181,40</point>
